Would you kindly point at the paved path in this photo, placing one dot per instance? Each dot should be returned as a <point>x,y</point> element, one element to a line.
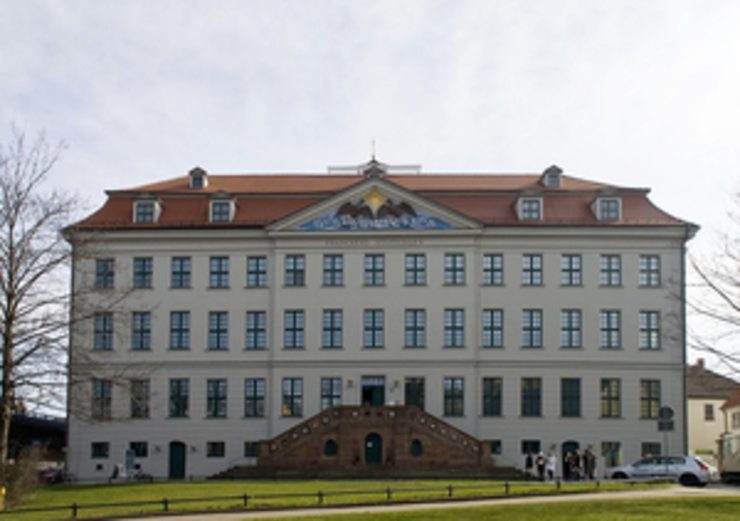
<point>667,492</point>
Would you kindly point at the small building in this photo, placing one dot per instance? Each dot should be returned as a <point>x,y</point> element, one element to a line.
<point>706,392</point>
<point>376,317</point>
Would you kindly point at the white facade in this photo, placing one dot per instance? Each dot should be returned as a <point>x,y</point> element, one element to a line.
<point>620,428</point>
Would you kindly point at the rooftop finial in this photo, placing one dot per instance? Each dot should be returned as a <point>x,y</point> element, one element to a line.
<point>373,150</point>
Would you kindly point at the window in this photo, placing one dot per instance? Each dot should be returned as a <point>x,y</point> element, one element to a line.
<point>331,392</point>
<point>219,272</point>
<point>611,272</point>
<point>492,396</point>
<point>292,397</point>
<point>570,397</point>
<point>256,327</point>
<point>144,212</point>
<point>197,180</point>
<point>708,412</point>
<point>374,328</point>
<point>493,328</point>
<point>220,211</point>
<point>416,269</point>
<point>610,450</point>
<point>531,209</point>
<point>414,392</point>
<point>454,327</point>
<point>294,324</point>
<point>139,448</point>
<point>141,331</point>
<point>532,270</point>
<point>215,449</point>
<point>415,333</point>
<point>609,209</point>
<point>736,420</point>
<point>454,396</point>
<point>493,270</point>
<point>532,328</point>
<point>254,398</point>
<point>180,330</point>
<point>331,448</point>
<point>295,270</point>
<point>251,449</point>
<point>454,269</point>
<point>649,271</point>
<point>332,334</point>
<point>333,270</point>
<point>530,447</point>
<point>649,330</point>
<point>649,398</point>
<point>417,449</point>
<point>180,272</point>
<point>496,447</point>
<point>256,272</point>
<point>374,270</point>
<point>103,334</point>
<point>143,272</point>
<point>179,398</point>
<point>650,448</point>
<point>99,450</point>
<point>570,270</point>
<point>101,399</point>
<point>611,402</point>
<point>218,330</point>
<point>531,397</point>
<point>140,398</point>
<point>570,328</point>
<point>216,405</point>
<point>104,273</point>
<point>610,322</point>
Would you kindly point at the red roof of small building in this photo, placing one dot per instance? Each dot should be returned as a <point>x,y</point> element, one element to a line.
<point>265,199</point>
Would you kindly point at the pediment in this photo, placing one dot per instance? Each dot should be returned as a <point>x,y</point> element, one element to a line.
<point>375,204</point>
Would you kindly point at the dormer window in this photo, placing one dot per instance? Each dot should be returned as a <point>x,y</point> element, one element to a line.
<point>551,177</point>
<point>222,211</point>
<point>609,209</point>
<point>198,178</point>
<point>146,211</point>
<point>530,209</point>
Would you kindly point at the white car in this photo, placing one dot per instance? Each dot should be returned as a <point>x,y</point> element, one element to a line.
<point>687,470</point>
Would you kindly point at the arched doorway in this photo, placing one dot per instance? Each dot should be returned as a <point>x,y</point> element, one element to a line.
<point>373,449</point>
<point>177,460</point>
<point>568,448</point>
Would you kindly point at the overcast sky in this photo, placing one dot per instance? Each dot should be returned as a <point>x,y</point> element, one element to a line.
<point>633,93</point>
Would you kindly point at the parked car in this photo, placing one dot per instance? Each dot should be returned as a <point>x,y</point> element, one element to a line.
<point>687,470</point>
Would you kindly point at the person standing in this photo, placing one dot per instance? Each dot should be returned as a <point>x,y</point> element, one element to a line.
<point>550,466</point>
<point>589,464</point>
<point>529,466</point>
<point>541,466</point>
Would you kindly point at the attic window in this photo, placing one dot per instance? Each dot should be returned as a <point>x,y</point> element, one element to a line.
<point>530,209</point>
<point>198,178</point>
<point>609,209</point>
<point>146,211</point>
<point>551,177</point>
<point>222,211</point>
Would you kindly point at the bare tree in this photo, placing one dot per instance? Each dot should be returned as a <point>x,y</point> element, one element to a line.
<point>34,257</point>
<point>714,297</point>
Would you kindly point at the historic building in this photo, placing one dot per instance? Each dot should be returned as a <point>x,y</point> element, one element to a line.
<point>373,316</point>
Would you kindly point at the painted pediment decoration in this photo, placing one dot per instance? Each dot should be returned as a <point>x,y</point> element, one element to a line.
<point>375,211</point>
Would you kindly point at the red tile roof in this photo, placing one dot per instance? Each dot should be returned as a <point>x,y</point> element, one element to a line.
<point>264,199</point>
<point>733,400</point>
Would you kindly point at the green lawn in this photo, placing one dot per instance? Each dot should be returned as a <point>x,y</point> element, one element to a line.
<point>703,509</point>
<point>261,495</point>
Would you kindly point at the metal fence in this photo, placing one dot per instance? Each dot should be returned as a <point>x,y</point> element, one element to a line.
<point>243,501</point>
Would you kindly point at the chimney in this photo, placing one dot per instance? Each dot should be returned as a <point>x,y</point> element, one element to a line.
<point>700,363</point>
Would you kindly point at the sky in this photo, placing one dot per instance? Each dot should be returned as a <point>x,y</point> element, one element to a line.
<point>631,93</point>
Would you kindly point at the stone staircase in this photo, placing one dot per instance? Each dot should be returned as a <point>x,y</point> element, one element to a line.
<point>445,451</point>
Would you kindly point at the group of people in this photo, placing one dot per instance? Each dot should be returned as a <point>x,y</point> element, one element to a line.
<point>576,466</point>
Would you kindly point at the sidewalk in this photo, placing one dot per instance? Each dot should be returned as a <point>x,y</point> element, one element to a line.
<point>672,491</point>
